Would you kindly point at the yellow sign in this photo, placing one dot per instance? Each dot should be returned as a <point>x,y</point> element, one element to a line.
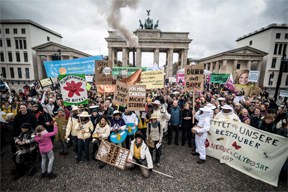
<point>152,79</point>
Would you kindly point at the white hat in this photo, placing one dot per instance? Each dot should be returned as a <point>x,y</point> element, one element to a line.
<point>117,112</point>
<point>51,99</point>
<point>156,102</point>
<point>84,114</point>
<point>226,107</point>
<point>93,106</point>
<point>154,116</point>
<point>175,93</point>
<point>211,106</point>
<point>206,109</point>
<point>75,108</point>
<point>221,99</point>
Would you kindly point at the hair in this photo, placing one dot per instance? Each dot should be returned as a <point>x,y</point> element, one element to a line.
<point>269,116</point>
<point>239,75</point>
<point>39,129</point>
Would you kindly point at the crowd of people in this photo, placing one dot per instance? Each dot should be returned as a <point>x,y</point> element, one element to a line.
<point>35,119</point>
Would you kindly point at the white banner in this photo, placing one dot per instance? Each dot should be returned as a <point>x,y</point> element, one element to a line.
<point>283,93</point>
<point>254,152</point>
<point>253,76</point>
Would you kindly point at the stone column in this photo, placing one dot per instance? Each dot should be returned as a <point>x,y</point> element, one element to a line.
<point>110,55</point>
<point>124,57</point>
<point>138,57</point>
<point>115,57</point>
<point>169,63</point>
<point>156,57</point>
<point>184,54</point>
<point>234,65</point>
<point>249,65</point>
<point>40,67</point>
<point>217,67</point>
<point>224,66</point>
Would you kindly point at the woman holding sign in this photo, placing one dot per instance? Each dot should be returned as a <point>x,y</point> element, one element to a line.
<point>131,121</point>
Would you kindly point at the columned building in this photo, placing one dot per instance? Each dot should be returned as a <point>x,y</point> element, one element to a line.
<point>150,40</point>
<point>243,58</point>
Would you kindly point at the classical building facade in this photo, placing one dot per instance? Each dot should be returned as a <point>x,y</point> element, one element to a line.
<point>151,40</point>
<point>53,51</point>
<point>236,59</point>
<point>272,39</point>
<point>17,58</point>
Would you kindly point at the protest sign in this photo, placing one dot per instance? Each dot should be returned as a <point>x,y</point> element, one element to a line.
<point>220,78</point>
<point>254,152</point>
<point>126,70</point>
<point>253,76</point>
<point>137,97</point>
<point>194,78</point>
<point>103,75</point>
<point>46,82</point>
<point>112,154</point>
<point>152,79</point>
<point>89,78</point>
<point>120,94</point>
<point>74,66</point>
<point>283,93</point>
<point>73,89</point>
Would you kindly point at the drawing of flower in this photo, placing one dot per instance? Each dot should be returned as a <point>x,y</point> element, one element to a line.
<point>73,88</point>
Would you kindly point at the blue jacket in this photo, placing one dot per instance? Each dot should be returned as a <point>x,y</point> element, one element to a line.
<point>176,116</point>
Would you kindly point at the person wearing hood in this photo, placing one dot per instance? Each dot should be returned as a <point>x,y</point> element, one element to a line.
<point>226,114</point>
<point>139,153</point>
<point>203,116</point>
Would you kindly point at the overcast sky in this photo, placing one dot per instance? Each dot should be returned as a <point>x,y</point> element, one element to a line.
<point>214,25</point>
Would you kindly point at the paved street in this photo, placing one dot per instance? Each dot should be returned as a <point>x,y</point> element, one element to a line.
<point>176,161</point>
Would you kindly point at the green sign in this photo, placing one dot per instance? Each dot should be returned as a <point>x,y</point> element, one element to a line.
<point>219,78</point>
<point>126,70</point>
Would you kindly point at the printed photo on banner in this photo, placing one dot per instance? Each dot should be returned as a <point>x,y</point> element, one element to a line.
<point>257,153</point>
<point>103,72</point>
<point>137,97</point>
<point>194,78</point>
<point>74,66</point>
<point>112,154</point>
<point>152,79</point>
<point>120,94</point>
<point>242,83</point>
<point>73,89</point>
<point>46,82</point>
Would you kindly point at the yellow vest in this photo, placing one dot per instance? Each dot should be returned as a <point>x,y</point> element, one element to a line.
<point>137,152</point>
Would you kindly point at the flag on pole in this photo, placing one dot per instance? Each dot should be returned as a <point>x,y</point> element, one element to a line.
<point>230,84</point>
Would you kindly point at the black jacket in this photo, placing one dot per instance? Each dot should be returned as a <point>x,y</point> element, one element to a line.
<point>19,119</point>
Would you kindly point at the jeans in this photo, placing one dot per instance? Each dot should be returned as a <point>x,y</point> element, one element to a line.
<point>158,152</point>
<point>170,133</point>
<point>128,140</point>
<point>44,156</point>
<point>75,143</point>
<point>186,133</point>
<point>83,145</point>
<point>63,147</point>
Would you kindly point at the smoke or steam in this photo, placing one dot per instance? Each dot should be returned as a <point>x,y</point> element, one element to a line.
<point>114,19</point>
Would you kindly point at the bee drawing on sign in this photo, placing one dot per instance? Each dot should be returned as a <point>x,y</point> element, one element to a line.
<point>103,151</point>
<point>104,70</point>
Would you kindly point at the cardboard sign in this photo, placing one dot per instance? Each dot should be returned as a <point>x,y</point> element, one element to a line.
<point>103,72</point>
<point>73,89</point>
<point>46,82</point>
<point>194,78</point>
<point>257,153</point>
<point>120,94</point>
<point>112,154</point>
<point>137,97</point>
<point>253,76</point>
<point>152,79</point>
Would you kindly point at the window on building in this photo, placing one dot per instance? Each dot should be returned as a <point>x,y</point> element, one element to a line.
<point>19,72</point>
<point>250,42</point>
<point>24,44</point>
<point>10,58</point>
<point>1,43</point>
<point>25,56</point>
<point>0,31</point>
<point>20,44</point>
<point>17,43</point>
<point>48,38</point>
<point>15,31</point>
<point>7,31</point>
<point>278,35</point>
<point>8,41</point>
<point>273,64</point>
<point>271,79</point>
<point>275,49</point>
<point>27,73</point>
<point>1,56</point>
<point>23,31</point>
<point>3,69</point>
<point>238,66</point>
<point>280,49</point>
<point>286,35</point>
<point>286,82</point>
<point>12,72</point>
<point>17,56</point>
<point>284,49</point>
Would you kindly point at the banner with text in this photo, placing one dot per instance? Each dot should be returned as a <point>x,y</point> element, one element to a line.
<point>73,89</point>
<point>112,154</point>
<point>74,66</point>
<point>137,97</point>
<point>220,78</point>
<point>254,152</point>
<point>103,69</point>
<point>194,78</point>
<point>46,82</point>
<point>253,76</point>
<point>126,70</point>
<point>120,94</point>
<point>152,79</point>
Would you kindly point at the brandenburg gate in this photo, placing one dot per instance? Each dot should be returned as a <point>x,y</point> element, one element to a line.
<point>150,39</point>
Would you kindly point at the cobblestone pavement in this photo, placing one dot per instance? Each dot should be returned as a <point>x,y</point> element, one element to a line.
<point>176,161</point>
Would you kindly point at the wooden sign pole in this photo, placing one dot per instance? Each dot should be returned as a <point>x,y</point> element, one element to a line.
<point>193,118</point>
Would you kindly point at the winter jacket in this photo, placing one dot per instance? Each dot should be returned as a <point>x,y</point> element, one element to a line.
<point>71,127</point>
<point>101,132</point>
<point>62,123</point>
<point>176,113</point>
<point>162,116</point>
<point>155,133</point>
<point>19,119</point>
<point>145,153</point>
<point>87,127</point>
<point>45,143</point>
<point>271,127</point>
<point>255,121</point>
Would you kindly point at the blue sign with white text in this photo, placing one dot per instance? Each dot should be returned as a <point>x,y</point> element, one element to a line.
<point>74,66</point>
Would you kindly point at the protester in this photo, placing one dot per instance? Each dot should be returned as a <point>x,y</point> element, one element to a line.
<point>267,124</point>
<point>131,122</point>
<point>226,113</point>
<point>187,125</point>
<point>175,122</point>
<point>61,121</point>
